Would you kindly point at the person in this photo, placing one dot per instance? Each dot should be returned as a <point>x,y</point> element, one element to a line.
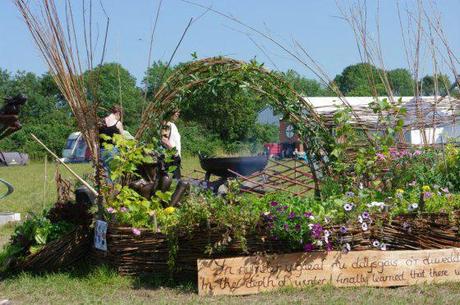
<point>170,138</point>
<point>109,126</point>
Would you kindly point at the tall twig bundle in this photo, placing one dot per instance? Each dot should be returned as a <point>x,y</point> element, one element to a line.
<point>60,49</point>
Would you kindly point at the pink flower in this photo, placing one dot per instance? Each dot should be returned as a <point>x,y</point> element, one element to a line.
<point>123,210</point>
<point>111,210</point>
<point>417,153</point>
<point>136,232</point>
<point>380,156</point>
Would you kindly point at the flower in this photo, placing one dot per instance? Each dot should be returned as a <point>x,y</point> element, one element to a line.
<point>319,243</point>
<point>427,195</point>
<point>376,204</point>
<point>413,183</point>
<point>383,247</point>
<point>310,226</point>
<point>327,233</point>
<point>380,156</point>
<point>169,210</point>
<point>406,226</point>
<point>343,229</point>
<point>417,153</point>
<point>360,219</point>
<point>445,190</point>
<point>364,226</point>
<point>327,219</point>
<point>285,207</point>
<point>308,247</point>
<point>348,207</point>
<point>286,226</point>
<point>329,247</point>
<point>291,215</point>
<point>426,188</point>
<point>309,215</point>
<point>136,232</point>
<point>274,203</point>
<point>123,210</point>
<point>316,231</point>
<point>365,215</point>
<point>376,243</point>
<point>297,227</point>
<point>413,207</point>
<point>350,194</point>
<point>111,210</point>
<point>346,247</point>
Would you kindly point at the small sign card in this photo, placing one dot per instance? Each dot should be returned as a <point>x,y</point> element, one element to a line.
<point>100,232</point>
<point>254,274</point>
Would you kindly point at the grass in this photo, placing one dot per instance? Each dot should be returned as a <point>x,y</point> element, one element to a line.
<point>99,285</point>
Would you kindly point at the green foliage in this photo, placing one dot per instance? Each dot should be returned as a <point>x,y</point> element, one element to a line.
<point>112,84</point>
<point>304,86</point>
<point>197,139</point>
<point>431,85</point>
<point>449,167</point>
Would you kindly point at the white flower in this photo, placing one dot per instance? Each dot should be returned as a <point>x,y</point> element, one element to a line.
<point>364,226</point>
<point>413,207</point>
<point>346,247</point>
<point>319,243</point>
<point>376,243</point>
<point>376,204</point>
<point>327,233</point>
<point>348,207</point>
<point>383,247</point>
<point>266,213</point>
<point>360,219</point>
<point>310,226</point>
<point>311,217</point>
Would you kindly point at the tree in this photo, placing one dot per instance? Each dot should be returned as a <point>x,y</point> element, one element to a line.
<point>360,80</point>
<point>305,86</point>
<point>155,76</point>
<point>431,85</point>
<point>112,84</point>
<point>401,82</point>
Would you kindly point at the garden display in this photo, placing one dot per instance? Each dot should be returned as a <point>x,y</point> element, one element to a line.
<point>373,191</point>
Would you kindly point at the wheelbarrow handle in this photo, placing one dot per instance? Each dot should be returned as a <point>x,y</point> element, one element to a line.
<point>9,187</point>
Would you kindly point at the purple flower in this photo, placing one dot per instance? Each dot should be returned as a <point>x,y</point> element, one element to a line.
<point>380,156</point>
<point>427,195</point>
<point>297,227</point>
<point>346,248</point>
<point>123,210</point>
<point>286,226</point>
<point>329,247</point>
<point>308,247</point>
<point>316,231</point>
<point>417,153</point>
<point>348,207</point>
<point>279,209</point>
<point>343,229</point>
<point>291,215</point>
<point>111,210</point>
<point>136,232</point>
<point>307,214</point>
<point>285,207</point>
<point>274,203</point>
<point>365,215</point>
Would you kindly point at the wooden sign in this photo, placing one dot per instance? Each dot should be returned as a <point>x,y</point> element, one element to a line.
<point>254,274</point>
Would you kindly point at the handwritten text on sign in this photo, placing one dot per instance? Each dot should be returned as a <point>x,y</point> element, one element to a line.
<point>247,275</point>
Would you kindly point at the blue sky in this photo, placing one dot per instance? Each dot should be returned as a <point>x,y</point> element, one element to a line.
<point>313,23</point>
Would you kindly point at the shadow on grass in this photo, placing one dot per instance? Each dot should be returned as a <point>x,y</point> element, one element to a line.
<point>106,274</point>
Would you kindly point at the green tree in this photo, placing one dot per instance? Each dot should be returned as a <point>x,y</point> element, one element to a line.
<point>361,79</point>
<point>429,84</point>
<point>156,74</point>
<point>401,82</point>
<point>305,86</point>
<point>112,84</point>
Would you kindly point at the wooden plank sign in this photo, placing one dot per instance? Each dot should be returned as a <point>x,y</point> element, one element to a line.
<point>254,274</point>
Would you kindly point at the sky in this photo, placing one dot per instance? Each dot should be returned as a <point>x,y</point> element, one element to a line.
<point>314,24</point>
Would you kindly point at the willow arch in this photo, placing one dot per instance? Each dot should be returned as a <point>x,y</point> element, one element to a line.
<point>297,110</point>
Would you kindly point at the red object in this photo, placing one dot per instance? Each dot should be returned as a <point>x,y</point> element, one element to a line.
<point>273,149</point>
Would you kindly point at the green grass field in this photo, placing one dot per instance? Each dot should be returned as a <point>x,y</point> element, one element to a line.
<point>86,285</point>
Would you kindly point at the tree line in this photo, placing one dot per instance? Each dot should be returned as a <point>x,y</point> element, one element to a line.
<point>217,119</point>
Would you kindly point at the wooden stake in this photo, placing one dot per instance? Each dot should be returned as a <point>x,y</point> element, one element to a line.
<point>65,165</point>
<point>45,181</point>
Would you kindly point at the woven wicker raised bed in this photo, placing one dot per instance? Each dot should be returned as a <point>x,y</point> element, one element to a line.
<point>58,254</point>
<point>149,252</point>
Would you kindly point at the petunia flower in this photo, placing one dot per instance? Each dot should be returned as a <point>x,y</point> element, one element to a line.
<point>347,207</point>
<point>123,210</point>
<point>346,248</point>
<point>308,247</point>
<point>365,215</point>
<point>413,207</point>
<point>350,194</point>
<point>376,243</point>
<point>364,226</point>
<point>427,195</point>
<point>360,219</point>
<point>383,247</point>
<point>343,229</point>
<point>329,246</point>
<point>297,227</point>
<point>292,215</point>
<point>136,231</point>
<point>417,153</point>
<point>274,203</point>
<point>111,210</point>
